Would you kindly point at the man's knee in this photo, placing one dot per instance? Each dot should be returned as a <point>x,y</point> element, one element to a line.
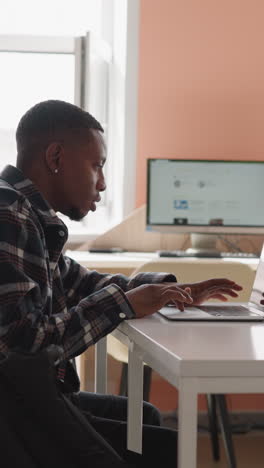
<point>151,414</point>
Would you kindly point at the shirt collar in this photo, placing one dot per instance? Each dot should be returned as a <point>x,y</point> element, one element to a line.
<point>16,178</point>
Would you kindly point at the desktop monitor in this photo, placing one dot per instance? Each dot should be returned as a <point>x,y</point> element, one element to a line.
<point>205,197</point>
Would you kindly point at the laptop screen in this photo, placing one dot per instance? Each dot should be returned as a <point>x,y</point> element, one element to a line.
<point>258,286</point>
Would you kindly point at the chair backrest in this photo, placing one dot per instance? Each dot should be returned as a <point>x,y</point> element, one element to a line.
<point>193,270</point>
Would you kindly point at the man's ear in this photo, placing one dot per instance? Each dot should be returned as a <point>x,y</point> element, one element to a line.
<point>54,157</point>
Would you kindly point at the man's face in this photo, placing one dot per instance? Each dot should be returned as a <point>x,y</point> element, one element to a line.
<point>83,178</point>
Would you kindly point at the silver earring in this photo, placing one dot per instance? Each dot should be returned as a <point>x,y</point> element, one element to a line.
<point>56,171</point>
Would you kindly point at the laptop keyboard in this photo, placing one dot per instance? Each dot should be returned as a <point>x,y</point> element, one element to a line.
<point>184,253</point>
<point>235,311</point>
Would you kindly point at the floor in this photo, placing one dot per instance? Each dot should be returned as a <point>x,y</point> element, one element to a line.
<point>249,449</point>
<point>248,439</point>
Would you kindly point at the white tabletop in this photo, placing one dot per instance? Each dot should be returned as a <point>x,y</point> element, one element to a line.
<point>135,259</point>
<point>201,349</point>
<point>97,260</point>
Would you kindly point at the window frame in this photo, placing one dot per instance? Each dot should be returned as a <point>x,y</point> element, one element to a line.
<point>123,95</point>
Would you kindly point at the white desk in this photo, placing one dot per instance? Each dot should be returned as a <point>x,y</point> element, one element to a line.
<point>111,260</point>
<point>136,259</point>
<point>195,358</point>
<point>188,269</point>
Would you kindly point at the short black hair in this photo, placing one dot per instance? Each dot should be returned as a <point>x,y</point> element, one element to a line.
<point>48,121</point>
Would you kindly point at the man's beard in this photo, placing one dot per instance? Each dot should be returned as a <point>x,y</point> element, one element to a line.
<point>75,214</point>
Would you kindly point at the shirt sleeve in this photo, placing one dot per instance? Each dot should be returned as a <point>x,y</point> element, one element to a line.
<point>78,281</point>
<point>27,320</point>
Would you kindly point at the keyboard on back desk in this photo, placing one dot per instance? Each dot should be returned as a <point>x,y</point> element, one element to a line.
<point>184,253</point>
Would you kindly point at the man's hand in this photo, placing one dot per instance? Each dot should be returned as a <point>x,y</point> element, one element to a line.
<point>217,288</point>
<point>149,298</point>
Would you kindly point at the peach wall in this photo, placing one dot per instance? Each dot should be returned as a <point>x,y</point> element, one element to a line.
<point>201,81</point>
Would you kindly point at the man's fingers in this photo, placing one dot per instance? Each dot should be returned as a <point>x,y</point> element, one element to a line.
<point>224,283</point>
<point>179,305</point>
<point>224,291</point>
<point>220,297</point>
<point>221,289</point>
<point>228,292</point>
<point>182,294</point>
<point>176,295</point>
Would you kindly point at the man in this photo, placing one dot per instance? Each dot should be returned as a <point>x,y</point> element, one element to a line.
<point>48,299</point>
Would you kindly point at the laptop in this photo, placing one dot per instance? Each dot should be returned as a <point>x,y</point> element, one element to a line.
<point>251,311</point>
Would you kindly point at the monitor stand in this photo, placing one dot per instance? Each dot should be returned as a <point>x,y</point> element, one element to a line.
<point>203,245</point>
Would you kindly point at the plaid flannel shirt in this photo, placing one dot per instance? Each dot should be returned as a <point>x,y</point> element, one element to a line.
<point>45,297</point>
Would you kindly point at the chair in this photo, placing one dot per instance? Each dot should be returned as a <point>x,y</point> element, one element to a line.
<point>188,271</point>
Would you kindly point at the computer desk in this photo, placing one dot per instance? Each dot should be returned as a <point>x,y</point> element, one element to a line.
<point>131,260</point>
<point>126,263</point>
<point>192,357</point>
<point>195,358</point>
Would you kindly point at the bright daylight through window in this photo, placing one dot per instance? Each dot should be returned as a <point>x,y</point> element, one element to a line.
<point>63,50</point>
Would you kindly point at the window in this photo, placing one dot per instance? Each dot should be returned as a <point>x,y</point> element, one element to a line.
<point>33,85</point>
<point>46,53</point>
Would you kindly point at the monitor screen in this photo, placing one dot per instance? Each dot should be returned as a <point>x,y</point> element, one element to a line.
<point>202,196</point>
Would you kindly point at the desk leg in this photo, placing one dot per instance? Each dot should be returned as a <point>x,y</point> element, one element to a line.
<point>135,396</point>
<point>100,378</point>
<point>187,421</point>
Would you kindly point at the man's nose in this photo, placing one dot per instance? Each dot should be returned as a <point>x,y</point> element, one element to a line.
<point>101,184</point>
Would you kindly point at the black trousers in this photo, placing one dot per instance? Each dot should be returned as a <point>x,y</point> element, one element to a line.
<point>107,414</point>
